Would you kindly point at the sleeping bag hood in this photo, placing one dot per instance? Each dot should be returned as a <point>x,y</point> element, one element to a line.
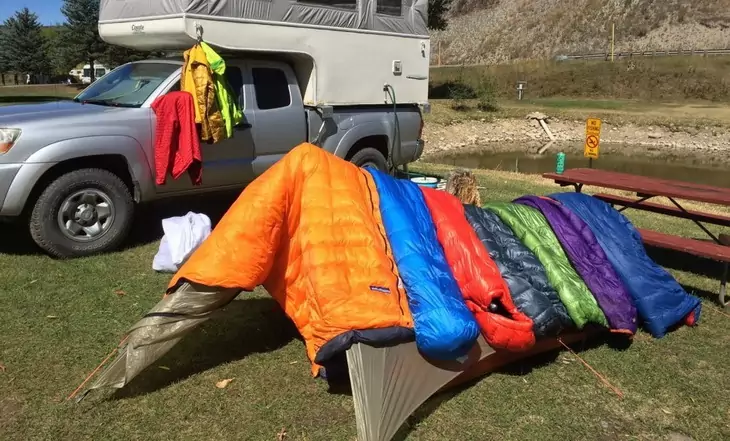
<point>525,276</point>
<point>531,227</point>
<point>485,292</point>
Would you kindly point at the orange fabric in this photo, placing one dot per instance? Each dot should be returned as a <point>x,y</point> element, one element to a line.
<point>477,275</point>
<point>308,230</point>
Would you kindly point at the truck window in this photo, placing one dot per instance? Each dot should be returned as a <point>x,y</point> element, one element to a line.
<point>235,80</point>
<point>271,87</point>
<point>339,4</point>
<point>389,7</point>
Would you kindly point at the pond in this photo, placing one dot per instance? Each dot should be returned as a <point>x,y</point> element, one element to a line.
<point>683,169</point>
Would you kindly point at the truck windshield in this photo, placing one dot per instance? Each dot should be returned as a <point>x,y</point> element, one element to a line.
<point>127,86</point>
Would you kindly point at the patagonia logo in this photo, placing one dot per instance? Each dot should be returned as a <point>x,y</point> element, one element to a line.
<point>382,289</point>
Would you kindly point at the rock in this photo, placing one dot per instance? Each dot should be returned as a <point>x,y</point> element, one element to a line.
<point>537,115</point>
<point>655,135</point>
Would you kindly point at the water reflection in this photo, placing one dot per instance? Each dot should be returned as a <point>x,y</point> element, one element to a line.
<point>684,169</point>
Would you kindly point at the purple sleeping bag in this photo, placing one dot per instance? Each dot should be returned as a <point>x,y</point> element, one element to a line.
<point>589,261</point>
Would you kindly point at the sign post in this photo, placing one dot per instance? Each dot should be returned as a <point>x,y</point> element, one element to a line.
<point>593,140</point>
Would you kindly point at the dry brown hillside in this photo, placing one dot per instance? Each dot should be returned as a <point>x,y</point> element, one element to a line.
<point>496,31</point>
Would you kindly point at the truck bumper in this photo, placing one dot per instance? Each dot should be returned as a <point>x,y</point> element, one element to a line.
<point>16,183</point>
<point>8,172</point>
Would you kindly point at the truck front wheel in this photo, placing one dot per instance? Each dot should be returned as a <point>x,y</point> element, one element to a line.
<point>81,213</point>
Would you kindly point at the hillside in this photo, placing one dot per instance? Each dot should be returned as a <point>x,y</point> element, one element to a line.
<point>496,31</point>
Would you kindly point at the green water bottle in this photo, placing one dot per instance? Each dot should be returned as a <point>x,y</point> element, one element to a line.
<point>560,163</point>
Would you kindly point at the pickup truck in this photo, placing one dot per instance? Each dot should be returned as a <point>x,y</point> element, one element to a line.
<point>75,170</point>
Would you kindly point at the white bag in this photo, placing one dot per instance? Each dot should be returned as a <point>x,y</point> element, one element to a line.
<point>183,235</point>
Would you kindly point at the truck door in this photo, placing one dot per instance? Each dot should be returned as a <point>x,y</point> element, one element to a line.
<point>280,122</point>
<point>228,163</point>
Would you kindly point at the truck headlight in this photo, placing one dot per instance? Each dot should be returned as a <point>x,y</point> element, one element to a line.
<point>8,138</point>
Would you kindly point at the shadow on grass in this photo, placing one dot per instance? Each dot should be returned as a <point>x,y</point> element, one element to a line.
<point>244,327</point>
<point>147,227</point>
<point>148,219</point>
<point>517,368</point>
<point>695,265</point>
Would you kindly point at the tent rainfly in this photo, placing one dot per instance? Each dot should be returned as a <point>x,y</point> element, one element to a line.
<point>388,383</point>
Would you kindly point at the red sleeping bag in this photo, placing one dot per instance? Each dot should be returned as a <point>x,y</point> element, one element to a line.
<point>485,292</point>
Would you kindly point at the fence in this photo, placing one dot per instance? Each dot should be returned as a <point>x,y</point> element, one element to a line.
<point>436,55</point>
<point>607,56</point>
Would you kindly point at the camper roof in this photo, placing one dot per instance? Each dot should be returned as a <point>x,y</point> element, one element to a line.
<point>391,16</point>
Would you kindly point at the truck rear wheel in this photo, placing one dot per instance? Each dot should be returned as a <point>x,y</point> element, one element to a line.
<point>81,213</point>
<point>371,157</point>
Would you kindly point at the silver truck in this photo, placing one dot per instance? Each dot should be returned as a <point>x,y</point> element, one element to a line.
<point>74,171</point>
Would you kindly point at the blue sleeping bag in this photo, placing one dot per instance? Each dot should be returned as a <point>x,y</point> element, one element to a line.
<point>445,329</point>
<point>660,301</point>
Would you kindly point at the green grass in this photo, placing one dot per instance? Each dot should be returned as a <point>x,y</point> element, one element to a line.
<point>558,103</point>
<point>646,79</point>
<point>58,320</point>
<point>36,93</point>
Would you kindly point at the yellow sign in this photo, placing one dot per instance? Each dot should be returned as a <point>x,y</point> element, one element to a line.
<point>593,138</point>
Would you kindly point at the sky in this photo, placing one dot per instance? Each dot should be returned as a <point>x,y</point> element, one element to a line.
<point>48,11</point>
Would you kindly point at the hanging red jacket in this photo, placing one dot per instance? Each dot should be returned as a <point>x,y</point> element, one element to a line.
<point>177,145</point>
<point>484,290</point>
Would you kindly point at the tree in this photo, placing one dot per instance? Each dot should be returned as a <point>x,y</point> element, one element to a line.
<point>80,36</point>
<point>81,41</point>
<point>118,55</point>
<point>24,47</point>
<point>437,10</point>
<point>4,64</point>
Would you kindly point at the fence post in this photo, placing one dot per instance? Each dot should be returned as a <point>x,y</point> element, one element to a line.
<point>613,39</point>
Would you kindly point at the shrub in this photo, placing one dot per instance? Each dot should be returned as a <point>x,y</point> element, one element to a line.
<point>487,94</point>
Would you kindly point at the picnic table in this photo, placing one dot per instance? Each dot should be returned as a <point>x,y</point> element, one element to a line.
<point>645,188</point>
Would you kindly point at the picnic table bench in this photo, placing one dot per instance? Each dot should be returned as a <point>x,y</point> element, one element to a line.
<point>645,188</point>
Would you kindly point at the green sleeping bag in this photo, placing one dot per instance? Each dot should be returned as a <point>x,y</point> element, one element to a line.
<point>531,227</point>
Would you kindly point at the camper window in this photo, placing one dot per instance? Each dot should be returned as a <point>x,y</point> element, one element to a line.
<point>390,7</point>
<point>271,87</point>
<point>339,4</point>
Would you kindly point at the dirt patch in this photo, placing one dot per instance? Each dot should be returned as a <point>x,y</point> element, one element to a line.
<point>708,144</point>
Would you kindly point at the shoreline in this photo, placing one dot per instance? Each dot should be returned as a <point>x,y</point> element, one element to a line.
<point>703,144</point>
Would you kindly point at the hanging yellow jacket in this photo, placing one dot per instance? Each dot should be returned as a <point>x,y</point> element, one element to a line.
<point>227,103</point>
<point>197,79</point>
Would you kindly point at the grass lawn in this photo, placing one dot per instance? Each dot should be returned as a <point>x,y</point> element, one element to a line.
<point>59,320</point>
<point>36,93</point>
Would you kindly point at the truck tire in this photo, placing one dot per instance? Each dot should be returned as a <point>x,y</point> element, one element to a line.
<point>83,212</point>
<point>369,156</point>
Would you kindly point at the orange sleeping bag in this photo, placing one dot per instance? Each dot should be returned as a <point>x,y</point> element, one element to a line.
<point>309,230</point>
<point>485,292</point>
